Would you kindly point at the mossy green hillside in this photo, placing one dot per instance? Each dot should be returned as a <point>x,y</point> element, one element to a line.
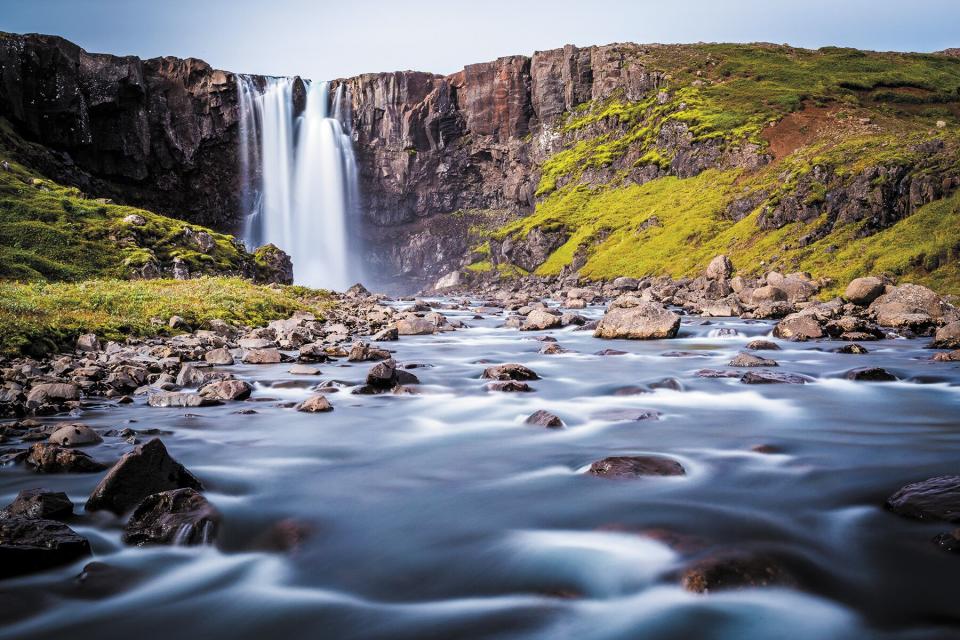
<point>41,317</point>
<point>54,232</point>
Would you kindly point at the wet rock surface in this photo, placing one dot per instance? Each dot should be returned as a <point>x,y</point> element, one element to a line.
<point>180,517</point>
<point>28,545</point>
<point>933,499</point>
<point>636,466</point>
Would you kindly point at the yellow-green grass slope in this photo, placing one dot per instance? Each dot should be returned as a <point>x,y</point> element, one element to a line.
<point>875,109</point>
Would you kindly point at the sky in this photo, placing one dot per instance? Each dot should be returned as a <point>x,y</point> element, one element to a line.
<point>324,40</point>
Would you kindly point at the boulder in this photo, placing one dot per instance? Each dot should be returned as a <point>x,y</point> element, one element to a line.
<point>303,370</point>
<point>52,393</point>
<point>227,390</point>
<point>634,466</point>
<point>763,345</point>
<point>863,291</point>
<point>509,371</point>
<point>145,470</point>
<point>750,360</point>
<point>415,327</point>
<point>947,337</point>
<point>386,335</point>
<point>315,404</point>
<point>39,504</point>
<point>176,517</point>
<point>908,306</point>
<point>933,499</point>
<point>853,349</point>
<point>75,435</point>
<point>798,327</point>
<point>88,342</point>
<point>221,356</point>
<point>947,356</point>
<point>28,545</point>
<point>262,356</point>
<point>644,321</point>
<point>49,458</point>
<point>541,319</point>
<point>720,268</point>
<point>543,418</point>
<point>733,570</point>
<point>767,295</point>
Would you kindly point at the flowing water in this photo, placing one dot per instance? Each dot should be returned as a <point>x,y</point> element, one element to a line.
<point>300,177</point>
<point>443,515</point>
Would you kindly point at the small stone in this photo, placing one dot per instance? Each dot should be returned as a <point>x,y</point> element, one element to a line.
<point>627,415</point>
<point>221,356</point>
<point>304,370</point>
<point>181,399</point>
<point>545,419</point>
<point>88,342</point>
<point>49,458</point>
<point>509,386</point>
<point>854,349</point>
<point>733,570</point>
<point>315,404</point>
<point>763,345</point>
<point>750,360</point>
<point>177,322</point>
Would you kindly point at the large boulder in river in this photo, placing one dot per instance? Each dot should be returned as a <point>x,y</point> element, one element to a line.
<point>28,545</point>
<point>145,470</point>
<point>315,404</point>
<point>540,319</point>
<point>227,390</point>
<point>863,291</point>
<point>415,327</point>
<point>799,326</point>
<point>642,321</point>
<point>908,306</point>
<point>75,435</point>
<point>55,393</point>
<point>947,337</point>
<point>178,517</point>
<point>933,499</point>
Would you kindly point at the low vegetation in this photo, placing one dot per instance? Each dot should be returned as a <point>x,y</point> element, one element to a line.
<point>41,317</point>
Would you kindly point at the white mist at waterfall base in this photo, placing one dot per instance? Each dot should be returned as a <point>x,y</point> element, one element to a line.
<point>300,178</point>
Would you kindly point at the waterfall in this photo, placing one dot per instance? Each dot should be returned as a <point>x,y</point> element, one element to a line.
<point>300,177</point>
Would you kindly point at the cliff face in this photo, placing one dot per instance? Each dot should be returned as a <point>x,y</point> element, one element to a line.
<point>160,133</point>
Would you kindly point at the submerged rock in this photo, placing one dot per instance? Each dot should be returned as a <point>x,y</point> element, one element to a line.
<point>773,377</point>
<point>733,570</point>
<point>145,470</point>
<point>509,386</point>
<point>178,517</point>
<point>28,545</point>
<point>933,499</point>
<point>634,466</point>
<point>750,360</point>
<point>227,390</point>
<point>164,399</point>
<point>763,345</point>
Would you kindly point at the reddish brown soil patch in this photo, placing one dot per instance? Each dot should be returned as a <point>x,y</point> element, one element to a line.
<point>798,129</point>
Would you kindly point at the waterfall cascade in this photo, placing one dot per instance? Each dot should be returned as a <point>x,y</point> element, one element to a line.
<point>300,177</point>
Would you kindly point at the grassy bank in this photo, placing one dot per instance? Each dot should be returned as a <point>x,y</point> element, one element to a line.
<point>41,317</point>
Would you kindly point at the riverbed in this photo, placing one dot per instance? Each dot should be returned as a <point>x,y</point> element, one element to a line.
<point>442,514</point>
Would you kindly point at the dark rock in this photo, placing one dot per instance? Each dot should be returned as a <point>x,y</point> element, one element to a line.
<point>933,499</point>
<point>39,504</point>
<point>634,466</point>
<point>610,352</point>
<point>28,545</point>
<point>49,458</point>
<point>179,517</point>
<point>545,419</point>
<point>871,374</point>
<point>949,541</point>
<point>510,371</point>
<point>145,470</point>
<point>852,349</point>
<point>273,265</point>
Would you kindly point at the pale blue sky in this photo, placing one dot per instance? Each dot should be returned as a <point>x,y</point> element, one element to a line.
<point>332,39</point>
